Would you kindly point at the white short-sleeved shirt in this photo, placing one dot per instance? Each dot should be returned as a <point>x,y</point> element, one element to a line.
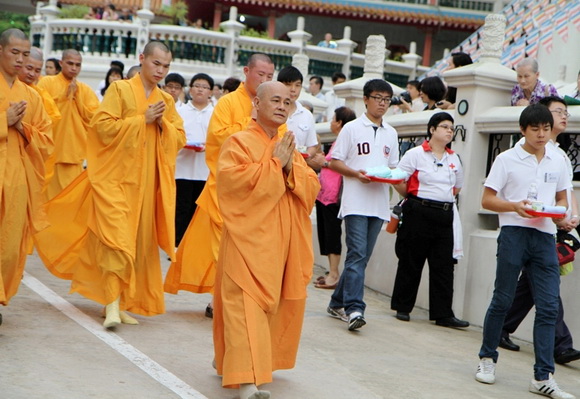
<point>429,177</point>
<point>302,124</point>
<point>512,174</point>
<point>360,148</point>
<point>190,165</point>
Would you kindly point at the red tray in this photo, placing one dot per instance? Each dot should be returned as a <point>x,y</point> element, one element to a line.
<point>385,179</point>
<point>545,214</point>
<point>194,147</point>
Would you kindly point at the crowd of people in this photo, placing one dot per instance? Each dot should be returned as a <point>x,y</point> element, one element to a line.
<point>224,179</point>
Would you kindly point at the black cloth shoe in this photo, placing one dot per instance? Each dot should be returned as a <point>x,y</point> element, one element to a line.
<point>209,312</point>
<point>452,322</point>
<point>507,343</point>
<point>403,316</point>
<point>567,356</point>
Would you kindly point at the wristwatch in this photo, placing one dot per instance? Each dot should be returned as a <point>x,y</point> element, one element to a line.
<point>325,164</point>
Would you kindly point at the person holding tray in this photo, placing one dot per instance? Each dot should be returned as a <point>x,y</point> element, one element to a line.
<point>526,241</point>
<point>426,233</point>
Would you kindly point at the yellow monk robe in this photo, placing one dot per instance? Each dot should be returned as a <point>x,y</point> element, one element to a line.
<point>265,259</point>
<point>194,269</point>
<point>70,133</point>
<point>108,224</point>
<point>21,181</point>
<point>55,116</point>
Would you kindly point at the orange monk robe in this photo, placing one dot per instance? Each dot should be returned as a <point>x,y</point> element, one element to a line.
<point>108,224</point>
<point>55,116</point>
<point>70,133</point>
<point>265,259</point>
<point>194,269</point>
<point>21,181</point>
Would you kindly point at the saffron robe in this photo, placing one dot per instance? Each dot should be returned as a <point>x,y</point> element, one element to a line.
<point>194,268</point>
<point>265,259</point>
<point>70,133</point>
<point>21,182</point>
<point>108,224</point>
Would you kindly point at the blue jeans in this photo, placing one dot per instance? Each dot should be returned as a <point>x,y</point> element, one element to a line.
<point>361,236</point>
<point>536,251</point>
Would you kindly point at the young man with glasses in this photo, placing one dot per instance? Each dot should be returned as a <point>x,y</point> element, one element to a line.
<point>191,171</point>
<point>366,142</point>
<point>174,84</point>
<point>564,351</point>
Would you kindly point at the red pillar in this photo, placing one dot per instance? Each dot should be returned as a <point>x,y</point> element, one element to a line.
<point>427,45</point>
<point>217,16</point>
<point>271,24</point>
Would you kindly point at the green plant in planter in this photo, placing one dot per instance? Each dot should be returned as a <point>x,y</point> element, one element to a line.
<point>254,33</point>
<point>74,11</point>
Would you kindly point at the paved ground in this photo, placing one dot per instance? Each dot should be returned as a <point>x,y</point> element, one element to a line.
<point>52,345</point>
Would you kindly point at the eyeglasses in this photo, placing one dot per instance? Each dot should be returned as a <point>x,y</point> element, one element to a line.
<point>379,99</point>
<point>562,113</point>
<point>173,87</point>
<point>447,127</point>
<point>201,87</point>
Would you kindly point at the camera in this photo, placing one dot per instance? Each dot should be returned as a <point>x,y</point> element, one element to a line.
<point>397,100</point>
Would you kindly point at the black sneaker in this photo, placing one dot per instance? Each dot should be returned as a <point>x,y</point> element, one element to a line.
<point>355,321</point>
<point>209,312</point>
<point>567,356</point>
<point>452,322</point>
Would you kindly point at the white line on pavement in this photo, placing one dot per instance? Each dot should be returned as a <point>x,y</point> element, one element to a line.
<point>138,358</point>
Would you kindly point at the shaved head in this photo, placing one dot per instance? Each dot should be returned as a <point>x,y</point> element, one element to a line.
<point>36,54</point>
<point>134,70</point>
<point>254,58</point>
<point>12,33</point>
<point>272,103</point>
<point>71,53</point>
<point>266,88</point>
<point>151,46</point>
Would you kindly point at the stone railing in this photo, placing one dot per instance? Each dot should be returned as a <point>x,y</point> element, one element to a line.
<point>220,54</point>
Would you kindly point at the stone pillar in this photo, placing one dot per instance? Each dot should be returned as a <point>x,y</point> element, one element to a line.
<point>413,59</point>
<point>217,16</point>
<point>480,86</point>
<point>233,28</point>
<point>427,45</point>
<point>48,13</point>
<point>346,45</point>
<point>272,24</point>
<point>144,18</point>
<point>352,90</point>
<point>299,37</point>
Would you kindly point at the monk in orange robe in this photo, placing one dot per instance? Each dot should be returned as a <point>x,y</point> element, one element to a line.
<point>25,144</point>
<point>194,269</point>
<point>266,192</point>
<point>107,225</point>
<point>77,104</point>
<point>30,74</point>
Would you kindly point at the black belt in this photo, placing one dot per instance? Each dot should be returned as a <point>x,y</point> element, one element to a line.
<point>431,203</point>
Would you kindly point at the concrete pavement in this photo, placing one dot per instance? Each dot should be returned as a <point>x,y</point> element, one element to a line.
<point>52,345</point>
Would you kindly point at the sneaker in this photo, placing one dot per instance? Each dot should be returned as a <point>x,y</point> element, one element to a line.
<point>337,313</point>
<point>355,321</point>
<point>486,371</point>
<point>549,388</point>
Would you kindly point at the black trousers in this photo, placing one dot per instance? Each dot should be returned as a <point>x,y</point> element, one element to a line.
<point>187,192</point>
<point>523,302</point>
<point>329,228</point>
<point>426,234</point>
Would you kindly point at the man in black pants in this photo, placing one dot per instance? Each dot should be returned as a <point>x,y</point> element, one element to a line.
<point>564,351</point>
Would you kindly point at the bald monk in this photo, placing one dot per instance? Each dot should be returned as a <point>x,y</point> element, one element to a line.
<point>266,192</point>
<point>108,224</point>
<point>25,144</point>
<point>134,70</point>
<point>77,104</point>
<point>197,254</point>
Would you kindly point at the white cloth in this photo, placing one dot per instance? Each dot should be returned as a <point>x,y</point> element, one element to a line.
<point>512,174</point>
<point>190,165</point>
<point>360,147</point>
<point>301,123</point>
<point>457,234</point>
<point>334,102</point>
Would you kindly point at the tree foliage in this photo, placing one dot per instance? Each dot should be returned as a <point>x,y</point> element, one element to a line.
<point>76,11</point>
<point>177,12</point>
<point>14,20</point>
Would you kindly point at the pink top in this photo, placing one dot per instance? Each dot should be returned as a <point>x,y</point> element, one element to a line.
<point>330,183</point>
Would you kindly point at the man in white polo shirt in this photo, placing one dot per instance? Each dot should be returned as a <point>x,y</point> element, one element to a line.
<point>366,142</point>
<point>526,241</point>
<point>300,120</point>
<point>191,170</point>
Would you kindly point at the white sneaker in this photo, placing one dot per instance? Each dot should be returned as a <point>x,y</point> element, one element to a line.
<point>549,388</point>
<point>486,371</point>
<point>355,321</point>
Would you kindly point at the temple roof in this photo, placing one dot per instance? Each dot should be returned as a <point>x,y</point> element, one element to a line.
<point>418,15</point>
